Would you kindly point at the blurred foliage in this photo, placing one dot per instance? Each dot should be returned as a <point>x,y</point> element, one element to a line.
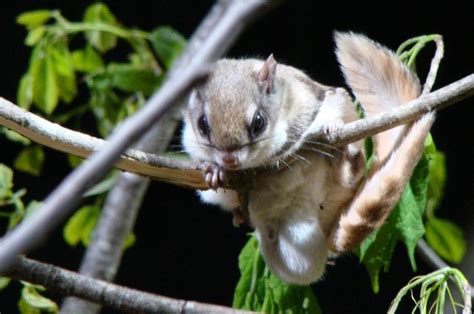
<point>78,71</point>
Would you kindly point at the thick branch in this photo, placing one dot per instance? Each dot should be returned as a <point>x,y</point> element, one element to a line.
<point>188,174</point>
<point>66,282</point>
<point>66,196</point>
<point>79,144</point>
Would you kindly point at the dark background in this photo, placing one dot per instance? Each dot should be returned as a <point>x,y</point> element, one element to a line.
<point>189,251</point>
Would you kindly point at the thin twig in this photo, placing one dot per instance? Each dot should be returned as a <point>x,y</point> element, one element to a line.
<point>435,61</point>
<point>66,282</point>
<point>433,260</point>
<point>436,100</point>
<point>58,205</point>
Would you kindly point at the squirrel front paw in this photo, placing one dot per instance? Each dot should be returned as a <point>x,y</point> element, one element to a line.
<point>214,176</point>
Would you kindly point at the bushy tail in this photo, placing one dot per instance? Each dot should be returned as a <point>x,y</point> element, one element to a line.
<point>380,82</point>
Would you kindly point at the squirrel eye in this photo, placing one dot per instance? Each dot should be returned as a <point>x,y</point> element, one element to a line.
<point>258,125</point>
<point>203,126</point>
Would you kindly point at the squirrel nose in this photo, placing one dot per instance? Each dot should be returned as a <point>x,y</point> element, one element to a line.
<point>230,160</point>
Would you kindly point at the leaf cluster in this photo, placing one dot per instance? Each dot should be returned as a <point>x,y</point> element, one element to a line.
<point>77,70</point>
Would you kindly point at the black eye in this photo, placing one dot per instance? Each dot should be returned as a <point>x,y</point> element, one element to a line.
<point>258,125</point>
<point>203,126</point>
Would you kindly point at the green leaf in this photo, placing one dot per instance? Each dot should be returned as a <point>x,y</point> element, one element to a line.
<point>437,181</point>
<point>24,95</point>
<point>105,106</point>
<point>6,181</point>
<point>80,226</point>
<point>25,308</point>
<point>259,290</point>
<point>167,43</point>
<point>131,78</point>
<point>379,249</point>
<point>410,222</point>
<point>405,223</point>
<point>74,161</point>
<point>103,186</point>
<point>446,239</point>
<point>87,60</point>
<point>130,240</point>
<point>32,208</point>
<point>34,18</point>
<point>35,35</point>
<point>19,212</point>
<point>64,67</point>
<point>30,160</point>
<point>45,82</point>
<point>14,137</point>
<point>32,298</point>
<point>4,282</point>
<point>100,13</point>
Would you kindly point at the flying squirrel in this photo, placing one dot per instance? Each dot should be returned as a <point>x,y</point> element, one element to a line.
<point>260,114</point>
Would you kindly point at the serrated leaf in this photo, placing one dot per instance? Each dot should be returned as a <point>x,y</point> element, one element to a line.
<point>4,282</point>
<point>78,227</point>
<point>35,35</point>
<point>259,290</point>
<point>410,223</point>
<point>34,299</point>
<point>13,136</point>
<point>6,181</point>
<point>87,60</point>
<point>446,239</point>
<point>167,44</point>
<point>131,78</point>
<point>24,95</point>
<point>30,160</point>
<point>102,187</point>
<point>64,67</point>
<point>100,13</point>
<point>405,222</point>
<point>379,249</point>
<point>34,18</point>
<point>45,84</point>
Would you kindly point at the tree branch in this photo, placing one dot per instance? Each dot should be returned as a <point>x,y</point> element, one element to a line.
<point>67,195</point>
<point>66,282</point>
<point>103,255</point>
<point>188,174</point>
<point>436,100</point>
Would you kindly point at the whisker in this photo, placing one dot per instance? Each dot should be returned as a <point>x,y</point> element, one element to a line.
<point>301,158</point>
<point>285,163</point>
<point>324,145</point>
<point>312,149</point>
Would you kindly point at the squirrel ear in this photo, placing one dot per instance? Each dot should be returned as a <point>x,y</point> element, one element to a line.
<point>266,75</point>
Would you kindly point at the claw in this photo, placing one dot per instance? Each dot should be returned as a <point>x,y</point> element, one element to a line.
<point>213,175</point>
<point>333,128</point>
